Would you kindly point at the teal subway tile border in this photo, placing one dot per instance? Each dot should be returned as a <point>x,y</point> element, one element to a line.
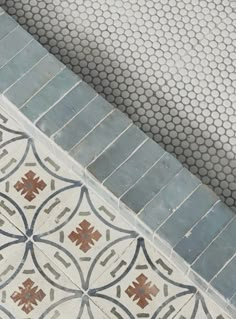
<point>150,187</point>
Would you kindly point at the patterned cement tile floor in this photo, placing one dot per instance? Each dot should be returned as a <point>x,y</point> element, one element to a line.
<point>65,252</point>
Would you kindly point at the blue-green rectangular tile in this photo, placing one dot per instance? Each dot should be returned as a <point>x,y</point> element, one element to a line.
<point>32,81</point>
<point>225,281</point>
<point>20,64</point>
<point>193,244</point>
<point>135,167</point>
<point>66,108</point>
<point>7,24</point>
<point>50,94</point>
<point>150,184</point>
<point>12,44</point>
<point>217,254</point>
<point>183,219</point>
<point>233,305</point>
<point>93,144</point>
<point>117,153</point>
<point>83,123</point>
<point>167,201</point>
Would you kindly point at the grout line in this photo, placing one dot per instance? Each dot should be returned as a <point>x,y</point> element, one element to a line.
<point>52,106</point>
<point>177,207</point>
<point>142,176</point>
<point>231,298</point>
<point>15,54</point>
<point>94,159</point>
<point>197,222</point>
<point>91,131</point>
<point>40,137</point>
<point>134,151</point>
<point>158,192</point>
<point>74,116</point>
<point>214,239</point>
<point>225,265</point>
<point>42,87</point>
<point>4,92</point>
<point>139,213</point>
<point>5,36</point>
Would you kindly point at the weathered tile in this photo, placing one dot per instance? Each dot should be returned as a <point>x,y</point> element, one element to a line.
<point>117,153</point>
<point>93,145</point>
<point>66,108</point>
<point>136,166</point>
<point>32,81</point>
<point>232,305</point>
<point>169,199</point>
<point>83,123</point>
<point>142,283</point>
<point>195,242</point>
<point>149,185</point>
<point>12,44</point>
<point>36,288</point>
<point>91,233</point>
<point>88,310</point>
<point>225,281</point>
<point>33,179</point>
<point>20,64</point>
<point>201,307</point>
<point>50,94</point>
<point>183,219</point>
<point>7,24</point>
<point>217,254</point>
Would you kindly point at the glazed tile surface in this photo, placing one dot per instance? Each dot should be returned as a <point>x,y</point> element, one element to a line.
<point>64,251</point>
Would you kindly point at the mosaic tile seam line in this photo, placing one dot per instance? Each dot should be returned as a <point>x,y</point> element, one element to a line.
<point>65,250</point>
<point>99,142</point>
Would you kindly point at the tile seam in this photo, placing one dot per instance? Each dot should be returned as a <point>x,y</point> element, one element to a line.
<point>214,239</point>
<point>198,221</point>
<point>55,103</point>
<point>74,116</point>
<point>11,31</point>
<point>40,133</point>
<point>158,193</point>
<point>221,269</point>
<point>108,146</point>
<point>42,87</point>
<point>142,176</point>
<point>9,61</point>
<point>176,208</point>
<point>133,152</point>
<point>5,91</point>
<point>77,144</point>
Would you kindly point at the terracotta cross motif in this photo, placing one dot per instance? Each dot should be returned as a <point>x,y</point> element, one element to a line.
<point>28,296</point>
<point>142,291</point>
<point>85,235</point>
<point>30,185</point>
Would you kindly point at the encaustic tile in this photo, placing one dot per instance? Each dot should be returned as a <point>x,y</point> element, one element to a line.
<point>65,252</point>
<point>141,284</point>
<point>86,240</point>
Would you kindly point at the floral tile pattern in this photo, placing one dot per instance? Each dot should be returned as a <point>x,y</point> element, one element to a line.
<point>64,251</point>
<point>142,284</point>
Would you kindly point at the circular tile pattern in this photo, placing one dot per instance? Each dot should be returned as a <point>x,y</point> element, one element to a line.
<point>170,65</point>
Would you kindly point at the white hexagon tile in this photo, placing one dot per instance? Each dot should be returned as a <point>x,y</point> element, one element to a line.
<point>65,252</point>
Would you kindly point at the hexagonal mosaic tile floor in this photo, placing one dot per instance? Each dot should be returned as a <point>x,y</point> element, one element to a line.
<point>65,252</point>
